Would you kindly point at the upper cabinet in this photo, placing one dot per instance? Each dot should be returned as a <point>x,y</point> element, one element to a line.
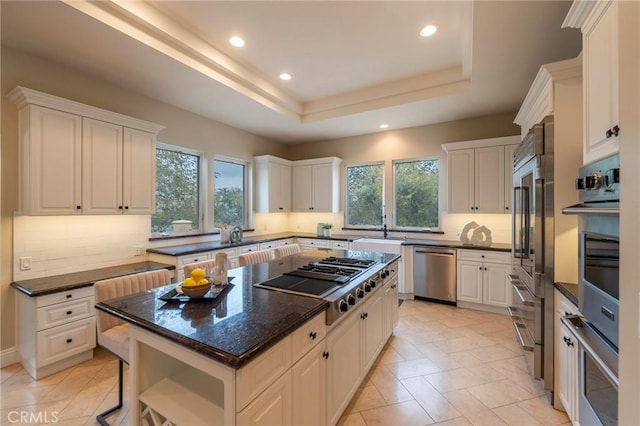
<point>77,159</point>
<point>273,184</point>
<point>599,24</point>
<point>316,185</point>
<point>479,176</point>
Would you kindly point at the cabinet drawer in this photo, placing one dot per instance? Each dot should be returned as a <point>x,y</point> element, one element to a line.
<point>248,249</point>
<point>64,296</point>
<point>231,253</point>
<point>485,256</point>
<point>308,242</point>
<point>269,245</point>
<point>261,372</point>
<point>62,313</point>
<point>286,242</point>
<point>308,335</point>
<point>66,340</point>
<point>198,257</point>
<point>340,244</point>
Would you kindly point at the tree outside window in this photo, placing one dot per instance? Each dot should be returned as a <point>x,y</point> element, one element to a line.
<point>229,198</point>
<point>416,193</point>
<point>177,190</point>
<point>364,195</point>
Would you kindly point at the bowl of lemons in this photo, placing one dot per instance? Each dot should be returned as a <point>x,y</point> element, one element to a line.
<point>197,285</point>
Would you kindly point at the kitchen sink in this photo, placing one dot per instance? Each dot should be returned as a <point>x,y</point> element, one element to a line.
<point>381,245</point>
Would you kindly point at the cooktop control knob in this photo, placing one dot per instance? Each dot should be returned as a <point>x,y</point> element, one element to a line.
<point>367,287</point>
<point>359,293</point>
<point>342,306</point>
<point>580,183</point>
<point>351,300</point>
<point>593,182</point>
<point>385,273</point>
<point>611,176</point>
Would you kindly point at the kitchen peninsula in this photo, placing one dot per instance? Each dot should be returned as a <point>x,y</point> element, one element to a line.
<point>257,356</point>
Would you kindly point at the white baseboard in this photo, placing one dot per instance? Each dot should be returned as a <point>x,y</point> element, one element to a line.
<point>8,357</point>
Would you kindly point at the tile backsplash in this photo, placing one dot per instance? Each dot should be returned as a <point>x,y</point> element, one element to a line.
<point>64,244</point>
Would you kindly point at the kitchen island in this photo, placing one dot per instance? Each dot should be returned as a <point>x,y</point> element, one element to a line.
<point>257,356</point>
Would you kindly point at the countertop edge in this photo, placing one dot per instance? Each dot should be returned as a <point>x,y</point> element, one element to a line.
<point>228,359</point>
<point>569,290</point>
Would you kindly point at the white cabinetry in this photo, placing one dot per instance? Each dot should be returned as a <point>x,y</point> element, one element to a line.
<point>309,386</point>
<point>313,243</point>
<point>273,184</point>
<point>343,365</point>
<point>482,278</point>
<point>79,159</point>
<point>56,331</point>
<point>479,177</point>
<point>316,185</point>
<point>373,331</point>
<point>390,300</point>
<point>599,24</point>
<point>566,358</point>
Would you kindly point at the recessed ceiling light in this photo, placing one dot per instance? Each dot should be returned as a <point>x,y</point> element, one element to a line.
<point>236,41</point>
<point>429,30</point>
<point>284,76</point>
<point>384,126</point>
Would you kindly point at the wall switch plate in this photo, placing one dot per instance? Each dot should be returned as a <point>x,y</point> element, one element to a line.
<point>25,263</point>
<point>138,250</point>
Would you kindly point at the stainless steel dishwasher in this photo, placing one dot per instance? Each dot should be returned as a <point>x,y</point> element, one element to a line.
<point>434,274</point>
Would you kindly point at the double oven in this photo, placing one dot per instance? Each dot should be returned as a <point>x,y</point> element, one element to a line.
<point>598,292</point>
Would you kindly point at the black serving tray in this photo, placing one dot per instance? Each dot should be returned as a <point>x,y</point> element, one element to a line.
<point>216,293</point>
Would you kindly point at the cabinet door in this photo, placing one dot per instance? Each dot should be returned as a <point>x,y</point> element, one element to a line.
<point>495,286</point>
<point>272,407</point>
<point>568,372</point>
<point>101,167</point>
<point>461,181</point>
<point>322,188</point>
<point>139,172</point>
<point>343,366</point>
<point>51,162</point>
<point>374,332</point>
<point>469,281</point>
<point>601,83</point>
<point>284,197</point>
<point>302,183</point>
<point>309,388</point>
<point>489,180</point>
<point>509,150</point>
<point>390,302</point>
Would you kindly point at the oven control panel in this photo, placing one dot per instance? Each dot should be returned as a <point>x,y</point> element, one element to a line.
<point>600,181</point>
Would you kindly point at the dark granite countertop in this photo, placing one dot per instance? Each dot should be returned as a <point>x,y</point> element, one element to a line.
<point>57,283</point>
<point>240,326</point>
<point>185,249</point>
<point>569,290</point>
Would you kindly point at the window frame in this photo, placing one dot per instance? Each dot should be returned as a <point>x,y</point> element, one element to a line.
<point>202,189</point>
<point>395,225</point>
<point>347,225</point>
<point>248,190</point>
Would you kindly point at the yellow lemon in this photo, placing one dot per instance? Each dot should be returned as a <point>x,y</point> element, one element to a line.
<point>204,281</point>
<point>197,274</point>
<point>189,282</point>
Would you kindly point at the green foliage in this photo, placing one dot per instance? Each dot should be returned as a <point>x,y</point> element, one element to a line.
<point>228,206</point>
<point>364,195</point>
<point>177,189</point>
<point>417,194</point>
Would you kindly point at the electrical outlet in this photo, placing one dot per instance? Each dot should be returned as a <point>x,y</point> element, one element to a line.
<point>25,263</point>
<point>138,250</point>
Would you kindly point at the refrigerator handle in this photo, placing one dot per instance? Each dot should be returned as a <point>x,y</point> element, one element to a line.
<point>539,227</point>
<point>516,246</point>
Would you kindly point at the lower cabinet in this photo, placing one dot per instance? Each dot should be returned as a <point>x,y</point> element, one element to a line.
<point>309,386</point>
<point>272,407</point>
<point>566,358</point>
<point>482,277</point>
<point>390,304</point>
<point>373,329</point>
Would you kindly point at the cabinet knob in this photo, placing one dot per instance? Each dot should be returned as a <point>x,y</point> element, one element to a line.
<point>485,269</point>
<point>313,335</point>
<point>69,312</point>
<point>506,208</point>
<point>78,207</point>
<point>69,340</point>
<point>69,296</point>
<point>126,207</point>
<point>325,355</point>
<point>119,207</point>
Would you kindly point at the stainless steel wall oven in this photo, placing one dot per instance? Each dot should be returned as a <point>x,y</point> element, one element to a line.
<point>598,294</point>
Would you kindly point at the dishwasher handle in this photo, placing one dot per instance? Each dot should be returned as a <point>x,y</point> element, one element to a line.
<point>436,253</point>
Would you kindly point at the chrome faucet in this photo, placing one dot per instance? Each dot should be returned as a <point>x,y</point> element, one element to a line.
<point>383,219</point>
<point>385,231</point>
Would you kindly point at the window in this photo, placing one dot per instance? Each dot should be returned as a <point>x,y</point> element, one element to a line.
<point>177,191</point>
<point>230,193</point>
<point>416,193</point>
<point>364,195</point>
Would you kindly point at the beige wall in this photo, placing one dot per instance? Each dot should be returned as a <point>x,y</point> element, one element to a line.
<point>182,128</point>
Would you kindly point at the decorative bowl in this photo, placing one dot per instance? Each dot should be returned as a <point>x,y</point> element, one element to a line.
<point>196,290</point>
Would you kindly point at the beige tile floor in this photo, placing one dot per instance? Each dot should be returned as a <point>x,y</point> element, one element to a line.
<point>443,365</point>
